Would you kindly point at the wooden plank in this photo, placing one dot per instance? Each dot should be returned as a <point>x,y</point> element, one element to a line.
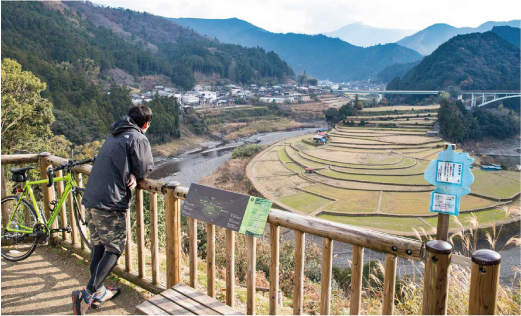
<point>230,268</point>
<point>370,239</point>
<point>147,308</point>
<point>128,246</point>
<point>298,279</point>
<point>154,237</point>
<point>209,302</point>
<point>251,251</point>
<point>140,229</point>
<point>274,269</point>
<point>187,303</point>
<point>63,210</point>
<point>168,306</point>
<point>327,265</point>
<point>357,269</point>
<point>192,249</point>
<point>389,284</point>
<point>210,267</point>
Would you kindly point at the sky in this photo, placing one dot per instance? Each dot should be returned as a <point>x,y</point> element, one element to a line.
<point>313,16</point>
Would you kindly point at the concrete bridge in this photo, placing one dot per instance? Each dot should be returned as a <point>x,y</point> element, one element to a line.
<point>477,97</point>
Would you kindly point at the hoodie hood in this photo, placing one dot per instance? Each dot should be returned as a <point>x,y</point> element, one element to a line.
<point>123,124</point>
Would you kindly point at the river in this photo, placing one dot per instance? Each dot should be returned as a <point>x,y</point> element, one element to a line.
<point>191,166</point>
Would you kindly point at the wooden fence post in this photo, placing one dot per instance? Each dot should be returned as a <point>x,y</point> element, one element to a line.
<point>389,284</point>
<point>48,192</point>
<point>327,265</point>
<point>274,268</point>
<point>298,278</point>
<point>210,259</point>
<point>79,178</point>
<point>140,229</point>
<point>173,235</point>
<point>357,269</point>
<point>436,284</point>
<point>484,282</point>
<point>154,237</point>
<point>192,249</point>
<point>63,211</point>
<point>5,213</point>
<point>230,268</point>
<point>251,251</point>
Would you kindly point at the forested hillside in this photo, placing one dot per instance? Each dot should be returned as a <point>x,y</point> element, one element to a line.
<point>77,48</point>
<point>477,61</point>
<point>511,34</point>
<point>396,70</point>
<point>320,56</point>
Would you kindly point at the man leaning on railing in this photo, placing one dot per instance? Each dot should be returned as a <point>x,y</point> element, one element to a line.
<point>124,158</point>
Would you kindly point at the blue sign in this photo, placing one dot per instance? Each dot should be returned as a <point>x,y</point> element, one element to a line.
<point>451,174</point>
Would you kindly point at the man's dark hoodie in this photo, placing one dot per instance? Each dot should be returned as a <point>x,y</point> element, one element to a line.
<point>125,151</point>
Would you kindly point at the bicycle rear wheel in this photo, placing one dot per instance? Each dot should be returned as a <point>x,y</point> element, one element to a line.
<point>18,246</point>
<point>79,214</point>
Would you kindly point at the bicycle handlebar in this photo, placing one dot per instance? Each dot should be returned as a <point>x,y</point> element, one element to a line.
<point>66,165</point>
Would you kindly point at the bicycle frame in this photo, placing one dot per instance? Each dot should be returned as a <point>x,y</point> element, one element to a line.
<point>28,191</point>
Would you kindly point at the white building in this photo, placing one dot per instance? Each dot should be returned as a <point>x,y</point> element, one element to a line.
<point>207,96</point>
<point>190,99</point>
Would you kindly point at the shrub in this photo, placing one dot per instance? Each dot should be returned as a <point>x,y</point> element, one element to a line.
<point>247,150</point>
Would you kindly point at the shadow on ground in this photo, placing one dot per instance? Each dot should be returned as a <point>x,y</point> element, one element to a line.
<point>43,283</point>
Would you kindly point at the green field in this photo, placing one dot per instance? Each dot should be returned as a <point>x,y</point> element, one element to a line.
<point>405,224</point>
<point>408,180</point>
<point>304,202</point>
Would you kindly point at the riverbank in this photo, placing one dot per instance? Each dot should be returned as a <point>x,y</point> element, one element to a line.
<point>177,146</point>
<point>234,131</point>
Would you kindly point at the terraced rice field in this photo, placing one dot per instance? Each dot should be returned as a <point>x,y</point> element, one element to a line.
<point>372,177</point>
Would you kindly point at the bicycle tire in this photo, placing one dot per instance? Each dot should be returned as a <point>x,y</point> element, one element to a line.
<point>31,249</point>
<point>81,220</point>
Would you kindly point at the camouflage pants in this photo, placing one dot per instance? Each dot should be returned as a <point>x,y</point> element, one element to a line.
<point>107,228</point>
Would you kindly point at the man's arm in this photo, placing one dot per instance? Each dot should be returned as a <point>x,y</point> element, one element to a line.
<point>141,159</point>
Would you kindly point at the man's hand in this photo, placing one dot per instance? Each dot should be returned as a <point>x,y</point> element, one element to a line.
<point>131,183</point>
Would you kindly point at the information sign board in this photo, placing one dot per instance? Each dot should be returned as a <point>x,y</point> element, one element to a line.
<point>452,176</point>
<point>238,212</point>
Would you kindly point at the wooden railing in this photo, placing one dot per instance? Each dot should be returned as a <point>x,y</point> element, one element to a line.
<point>437,254</point>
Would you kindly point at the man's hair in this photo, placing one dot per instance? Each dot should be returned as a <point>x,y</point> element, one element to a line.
<point>141,114</point>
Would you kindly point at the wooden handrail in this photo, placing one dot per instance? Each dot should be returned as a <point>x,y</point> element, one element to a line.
<point>485,266</point>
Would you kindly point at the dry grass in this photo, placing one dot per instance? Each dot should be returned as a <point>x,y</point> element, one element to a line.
<point>402,108</point>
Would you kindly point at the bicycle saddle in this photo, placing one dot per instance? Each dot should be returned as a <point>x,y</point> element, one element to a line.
<point>19,174</point>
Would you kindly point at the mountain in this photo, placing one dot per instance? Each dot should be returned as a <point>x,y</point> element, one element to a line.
<point>511,34</point>
<point>363,35</point>
<point>81,50</point>
<point>320,56</point>
<point>476,61</point>
<point>396,70</point>
<point>427,40</point>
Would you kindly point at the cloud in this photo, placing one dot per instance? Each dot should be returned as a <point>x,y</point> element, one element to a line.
<point>313,16</point>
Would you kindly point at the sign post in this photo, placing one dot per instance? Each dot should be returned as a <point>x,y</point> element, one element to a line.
<point>452,176</point>
<point>237,212</point>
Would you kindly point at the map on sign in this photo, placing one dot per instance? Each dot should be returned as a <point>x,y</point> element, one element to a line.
<point>241,213</point>
<point>452,176</point>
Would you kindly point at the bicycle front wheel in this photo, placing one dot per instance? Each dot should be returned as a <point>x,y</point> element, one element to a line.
<point>17,228</point>
<point>81,218</point>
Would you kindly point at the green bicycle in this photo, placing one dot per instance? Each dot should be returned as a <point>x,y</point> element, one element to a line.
<point>27,226</point>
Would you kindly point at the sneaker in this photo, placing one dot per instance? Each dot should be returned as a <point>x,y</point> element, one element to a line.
<point>107,294</point>
<point>81,302</point>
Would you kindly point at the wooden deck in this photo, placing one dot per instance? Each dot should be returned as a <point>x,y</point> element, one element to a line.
<point>184,300</point>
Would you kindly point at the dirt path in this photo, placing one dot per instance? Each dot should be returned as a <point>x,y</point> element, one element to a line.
<point>43,283</point>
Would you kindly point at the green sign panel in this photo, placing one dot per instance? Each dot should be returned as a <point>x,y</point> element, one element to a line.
<point>241,213</point>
